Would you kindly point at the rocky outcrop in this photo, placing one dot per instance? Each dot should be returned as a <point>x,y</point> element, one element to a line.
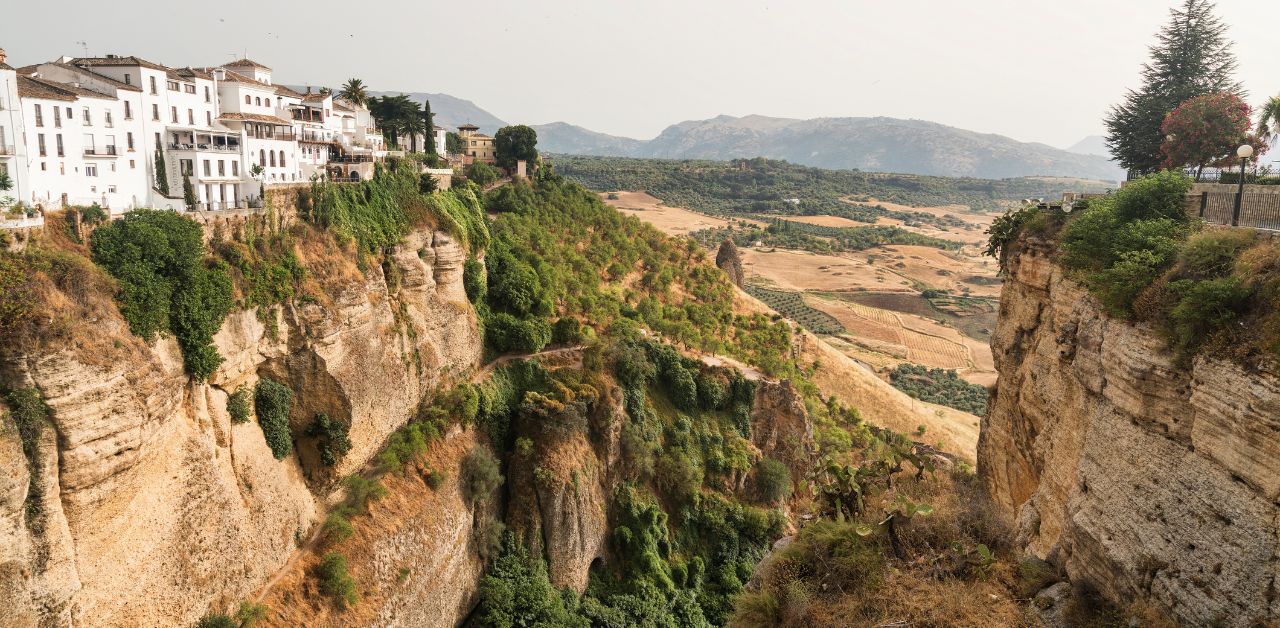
<point>156,506</point>
<point>1144,478</point>
<point>730,261</point>
<point>780,426</point>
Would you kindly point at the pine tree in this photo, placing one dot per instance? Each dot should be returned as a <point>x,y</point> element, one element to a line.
<point>162,173</point>
<point>1192,57</point>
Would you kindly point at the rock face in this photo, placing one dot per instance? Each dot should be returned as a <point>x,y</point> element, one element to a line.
<point>780,426</point>
<point>156,507</point>
<point>730,261</point>
<point>1147,480</point>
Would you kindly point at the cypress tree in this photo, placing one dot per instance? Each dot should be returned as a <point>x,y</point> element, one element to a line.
<point>162,172</point>
<point>188,192</point>
<point>1191,57</point>
<point>431,134</point>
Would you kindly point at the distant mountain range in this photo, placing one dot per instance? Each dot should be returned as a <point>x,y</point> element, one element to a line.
<point>873,144</point>
<point>1092,145</point>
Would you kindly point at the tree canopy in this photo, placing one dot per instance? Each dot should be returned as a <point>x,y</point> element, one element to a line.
<point>354,91</point>
<point>1205,131</point>
<point>398,115</point>
<point>1191,57</point>
<point>513,143</point>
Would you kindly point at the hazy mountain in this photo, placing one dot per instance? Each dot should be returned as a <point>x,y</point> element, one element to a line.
<point>876,144</point>
<point>1092,145</point>
<point>562,137</point>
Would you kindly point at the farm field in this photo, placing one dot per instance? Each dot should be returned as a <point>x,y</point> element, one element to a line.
<point>669,220</point>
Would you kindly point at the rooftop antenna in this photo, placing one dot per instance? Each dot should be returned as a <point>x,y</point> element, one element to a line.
<point>84,45</point>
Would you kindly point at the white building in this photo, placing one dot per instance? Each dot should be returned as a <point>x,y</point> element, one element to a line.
<point>13,154</point>
<point>77,131</point>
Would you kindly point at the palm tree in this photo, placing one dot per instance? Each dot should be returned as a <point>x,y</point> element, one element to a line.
<point>354,92</point>
<point>1269,120</point>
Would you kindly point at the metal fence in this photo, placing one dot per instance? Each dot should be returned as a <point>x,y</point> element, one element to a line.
<point>1259,211</point>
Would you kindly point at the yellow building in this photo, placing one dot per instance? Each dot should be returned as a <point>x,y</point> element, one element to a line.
<point>476,146</point>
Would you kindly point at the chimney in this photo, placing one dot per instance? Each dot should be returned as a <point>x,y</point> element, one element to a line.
<point>3,56</point>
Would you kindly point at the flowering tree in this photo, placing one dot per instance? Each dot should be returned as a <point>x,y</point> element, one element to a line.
<point>1205,131</point>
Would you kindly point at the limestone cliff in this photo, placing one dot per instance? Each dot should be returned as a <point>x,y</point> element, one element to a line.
<point>1143,478</point>
<point>156,507</point>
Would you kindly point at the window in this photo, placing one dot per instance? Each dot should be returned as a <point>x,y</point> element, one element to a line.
<point>185,166</point>
<point>257,101</point>
<point>281,159</point>
<point>191,117</point>
<point>111,147</point>
<point>106,119</point>
<point>128,138</point>
<point>273,157</point>
<point>39,116</point>
<point>190,89</point>
<point>248,100</point>
<point>206,94</point>
<point>88,121</point>
<point>173,85</point>
<point>208,118</point>
<point>173,114</point>
<point>57,117</point>
<point>128,80</point>
<point>262,158</point>
<point>206,167</point>
<point>90,170</point>
<point>58,138</point>
<point>111,189</point>
<point>68,114</point>
<point>222,168</point>
<point>40,143</point>
<point>153,85</point>
<point>235,168</point>
<point>157,140</point>
<point>155,112</point>
<point>128,111</point>
<point>133,164</point>
<point>88,144</point>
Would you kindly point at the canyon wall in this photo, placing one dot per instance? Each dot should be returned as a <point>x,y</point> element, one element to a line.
<point>1144,479</point>
<point>150,506</point>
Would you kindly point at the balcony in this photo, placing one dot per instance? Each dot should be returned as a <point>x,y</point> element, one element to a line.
<point>105,151</point>
<point>6,150</point>
<point>201,147</point>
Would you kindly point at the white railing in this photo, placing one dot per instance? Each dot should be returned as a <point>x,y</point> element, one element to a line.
<point>22,223</point>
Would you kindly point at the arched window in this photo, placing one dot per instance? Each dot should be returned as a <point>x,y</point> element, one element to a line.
<point>281,159</point>
<point>247,101</point>
<point>273,159</point>
<point>262,158</point>
<point>257,101</point>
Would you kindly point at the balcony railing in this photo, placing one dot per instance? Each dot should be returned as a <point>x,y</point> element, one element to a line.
<point>105,151</point>
<point>225,148</point>
<point>6,150</point>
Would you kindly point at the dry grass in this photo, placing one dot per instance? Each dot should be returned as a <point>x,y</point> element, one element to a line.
<point>808,584</point>
<point>669,220</point>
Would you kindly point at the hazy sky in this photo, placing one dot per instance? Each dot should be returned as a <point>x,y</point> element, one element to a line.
<point>1035,70</point>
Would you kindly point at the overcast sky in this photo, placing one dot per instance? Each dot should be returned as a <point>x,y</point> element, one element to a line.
<point>1035,70</point>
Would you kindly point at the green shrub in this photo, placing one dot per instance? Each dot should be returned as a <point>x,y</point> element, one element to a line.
<point>683,388</point>
<point>337,528</point>
<point>157,256</point>
<point>1213,253</point>
<point>336,582</point>
<point>217,620</point>
<point>474,280</point>
<point>1160,195</point>
<point>481,474</point>
<point>31,415</point>
<point>250,614</point>
<point>238,405</point>
<point>334,440</point>
<point>566,331</point>
<point>773,481</point>
<point>712,392</point>
<point>272,402</point>
<point>505,333</point>
<point>361,491</point>
<point>482,174</point>
<point>679,475</point>
<point>1205,307</point>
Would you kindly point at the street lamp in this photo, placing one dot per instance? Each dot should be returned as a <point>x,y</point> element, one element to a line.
<point>1244,152</point>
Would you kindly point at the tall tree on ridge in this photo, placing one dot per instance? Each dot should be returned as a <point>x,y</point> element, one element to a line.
<point>429,119</point>
<point>1192,57</point>
<point>1269,120</point>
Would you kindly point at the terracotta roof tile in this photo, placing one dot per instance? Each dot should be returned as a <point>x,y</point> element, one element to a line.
<point>236,77</point>
<point>246,63</point>
<point>314,97</point>
<point>32,88</point>
<point>105,79</point>
<point>281,90</point>
<point>129,61</point>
